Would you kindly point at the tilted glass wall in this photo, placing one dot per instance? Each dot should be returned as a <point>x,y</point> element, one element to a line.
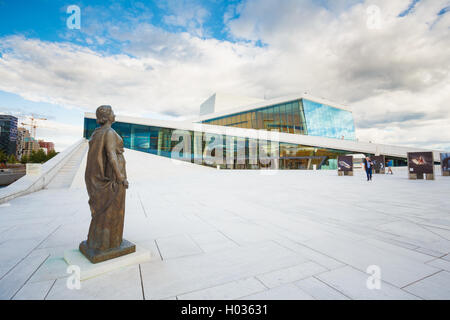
<point>295,156</point>
<point>220,150</point>
<point>286,117</point>
<point>299,117</point>
<point>326,121</point>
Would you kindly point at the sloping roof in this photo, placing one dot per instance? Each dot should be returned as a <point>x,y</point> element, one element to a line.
<point>270,102</point>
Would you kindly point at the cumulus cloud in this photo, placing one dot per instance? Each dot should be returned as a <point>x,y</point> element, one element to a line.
<point>395,76</point>
<point>167,79</point>
<point>187,14</point>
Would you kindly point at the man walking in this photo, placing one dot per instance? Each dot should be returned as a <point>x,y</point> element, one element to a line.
<point>368,164</point>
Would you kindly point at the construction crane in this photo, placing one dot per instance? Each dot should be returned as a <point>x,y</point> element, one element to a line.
<point>33,125</point>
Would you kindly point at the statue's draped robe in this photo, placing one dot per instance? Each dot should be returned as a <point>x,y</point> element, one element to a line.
<point>106,196</point>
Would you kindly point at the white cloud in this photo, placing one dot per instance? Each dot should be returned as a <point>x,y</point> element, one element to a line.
<point>186,13</point>
<point>385,74</point>
<point>62,134</point>
<point>174,78</point>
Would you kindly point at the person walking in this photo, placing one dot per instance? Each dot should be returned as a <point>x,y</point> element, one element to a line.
<point>388,165</point>
<point>368,165</point>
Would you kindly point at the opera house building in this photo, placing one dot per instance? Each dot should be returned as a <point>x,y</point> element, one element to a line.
<point>294,132</point>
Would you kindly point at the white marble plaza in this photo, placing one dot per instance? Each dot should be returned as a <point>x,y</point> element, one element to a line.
<point>220,234</point>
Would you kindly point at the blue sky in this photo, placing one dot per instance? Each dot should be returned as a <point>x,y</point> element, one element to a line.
<point>163,58</point>
<point>46,19</point>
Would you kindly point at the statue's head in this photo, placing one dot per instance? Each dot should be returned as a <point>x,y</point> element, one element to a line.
<point>105,114</point>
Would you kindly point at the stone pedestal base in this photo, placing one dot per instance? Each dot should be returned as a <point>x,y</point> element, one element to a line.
<point>446,173</point>
<point>427,176</point>
<point>89,270</point>
<point>345,173</point>
<point>383,171</point>
<point>96,256</point>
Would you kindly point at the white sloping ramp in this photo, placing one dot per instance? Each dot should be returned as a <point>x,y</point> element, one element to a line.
<point>66,174</point>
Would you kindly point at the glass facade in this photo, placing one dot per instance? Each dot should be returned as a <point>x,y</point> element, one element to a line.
<point>294,156</point>
<point>325,121</point>
<point>286,117</point>
<point>298,117</point>
<point>220,150</point>
<point>8,134</point>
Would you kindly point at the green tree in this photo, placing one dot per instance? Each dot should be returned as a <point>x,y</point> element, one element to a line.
<point>24,159</point>
<point>51,154</point>
<point>3,156</point>
<point>38,156</point>
<point>12,159</point>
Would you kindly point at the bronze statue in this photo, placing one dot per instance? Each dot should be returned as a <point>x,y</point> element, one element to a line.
<point>106,183</point>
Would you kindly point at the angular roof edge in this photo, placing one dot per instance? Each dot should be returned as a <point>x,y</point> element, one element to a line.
<point>270,102</point>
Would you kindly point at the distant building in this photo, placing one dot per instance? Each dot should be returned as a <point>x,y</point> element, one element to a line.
<point>30,145</point>
<point>8,134</point>
<point>22,133</point>
<point>48,146</point>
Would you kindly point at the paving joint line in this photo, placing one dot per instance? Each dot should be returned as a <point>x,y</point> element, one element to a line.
<point>30,252</point>
<point>414,282</point>
<point>142,282</point>
<point>159,251</point>
<point>51,287</point>
<point>32,274</point>
<point>320,280</point>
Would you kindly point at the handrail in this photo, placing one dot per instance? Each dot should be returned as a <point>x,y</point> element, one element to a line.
<point>30,184</point>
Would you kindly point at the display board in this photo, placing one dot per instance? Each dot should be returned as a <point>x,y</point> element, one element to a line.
<point>445,163</point>
<point>379,164</point>
<point>420,163</point>
<point>345,163</point>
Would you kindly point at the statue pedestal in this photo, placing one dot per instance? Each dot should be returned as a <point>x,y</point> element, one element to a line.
<point>91,270</point>
<point>96,256</point>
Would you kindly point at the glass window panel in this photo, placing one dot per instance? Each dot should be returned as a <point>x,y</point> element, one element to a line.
<point>268,119</point>
<point>283,117</point>
<point>259,120</point>
<point>254,123</point>
<point>140,137</point>
<point>240,120</point>
<point>290,118</point>
<point>248,118</point>
<point>276,118</point>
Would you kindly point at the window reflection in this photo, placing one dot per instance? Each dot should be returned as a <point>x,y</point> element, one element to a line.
<point>285,117</point>
<point>298,117</point>
<point>326,121</point>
